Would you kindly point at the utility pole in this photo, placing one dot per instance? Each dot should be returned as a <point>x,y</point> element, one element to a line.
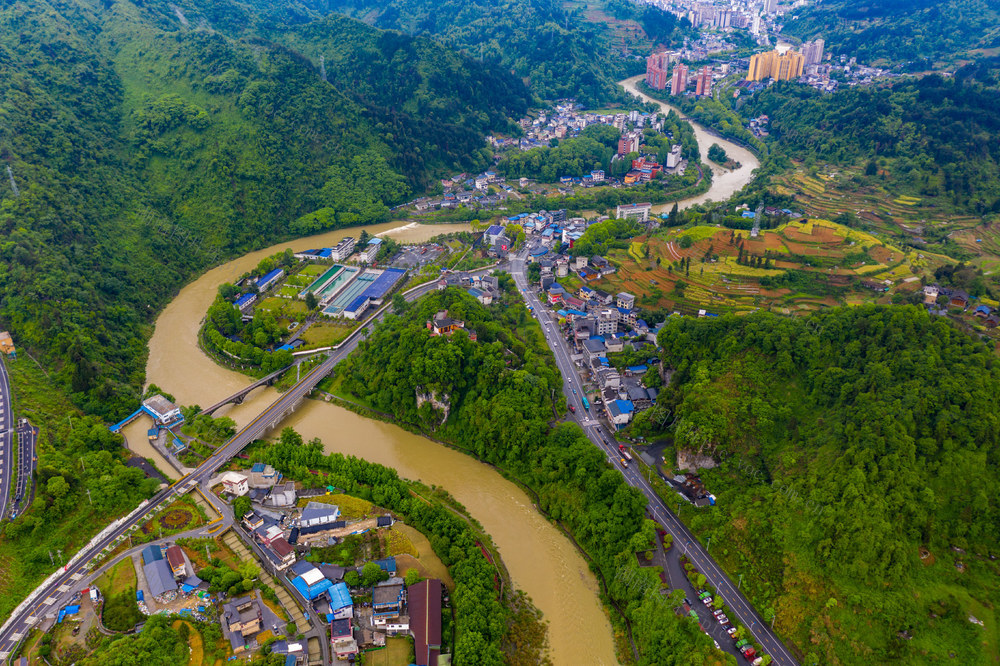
<point>740,582</point>
<point>89,497</point>
<point>83,466</point>
<point>52,558</point>
<point>13,185</point>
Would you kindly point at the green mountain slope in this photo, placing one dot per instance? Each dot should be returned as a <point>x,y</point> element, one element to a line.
<point>859,476</point>
<point>558,51</point>
<point>915,34</point>
<point>149,140</point>
<point>933,137</point>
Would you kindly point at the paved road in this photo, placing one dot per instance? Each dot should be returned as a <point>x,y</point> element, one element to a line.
<point>27,461</point>
<point>684,540</point>
<point>50,596</point>
<point>6,440</point>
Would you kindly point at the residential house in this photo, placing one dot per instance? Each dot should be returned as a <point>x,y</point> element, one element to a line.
<point>283,553</point>
<point>387,565</point>
<point>584,328</point>
<point>442,324</point>
<point>579,262</point>
<point>242,620</point>
<point>608,378</point>
<point>341,604</point>
<point>959,299</point>
<point>594,348</point>
<point>491,235</point>
<point>619,412</point>
<point>607,322</point>
<point>625,300</point>
<point>235,483</point>
<point>282,496</point>
<point>931,292</point>
<point>387,600</point>
<point>262,476</point>
<point>614,344</point>
<point>484,297</point>
<point>982,311</point>
<point>603,297</point>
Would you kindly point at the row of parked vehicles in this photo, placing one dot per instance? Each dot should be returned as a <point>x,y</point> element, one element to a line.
<point>742,644</point>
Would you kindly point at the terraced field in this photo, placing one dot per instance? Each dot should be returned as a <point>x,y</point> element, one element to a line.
<point>838,256</point>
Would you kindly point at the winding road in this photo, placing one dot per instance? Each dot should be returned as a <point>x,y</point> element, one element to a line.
<point>7,471</point>
<point>58,589</point>
<point>684,539</point>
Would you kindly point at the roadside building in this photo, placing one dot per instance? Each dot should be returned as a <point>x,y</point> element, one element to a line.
<point>262,476</point>
<point>235,483</point>
<point>160,579</point>
<point>342,250</point>
<point>341,604</point>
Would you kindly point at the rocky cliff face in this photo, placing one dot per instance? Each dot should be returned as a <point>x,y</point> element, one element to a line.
<point>440,403</point>
<point>691,461</point>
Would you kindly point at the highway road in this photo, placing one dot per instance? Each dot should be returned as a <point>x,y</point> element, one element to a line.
<point>7,473</point>
<point>27,461</point>
<point>683,538</point>
<point>51,596</point>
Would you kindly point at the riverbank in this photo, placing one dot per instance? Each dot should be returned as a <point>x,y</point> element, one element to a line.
<point>725,183</point>
<point>541,560</point>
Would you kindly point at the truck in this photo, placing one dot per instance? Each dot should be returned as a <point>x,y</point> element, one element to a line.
<point>624,452</point>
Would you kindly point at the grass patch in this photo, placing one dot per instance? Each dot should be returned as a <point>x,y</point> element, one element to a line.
<point>326,334</point>
<point>397,543</point>
<point>118,578</point>
<point>398,651</point>
<point>351,508</point>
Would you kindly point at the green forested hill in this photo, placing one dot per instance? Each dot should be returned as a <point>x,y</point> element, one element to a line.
<point>556,50</point>
<point>149,140</point>
<point>501,394</point>
<point>915,34</point>
<point>857,493</point>
<point>933,137</point>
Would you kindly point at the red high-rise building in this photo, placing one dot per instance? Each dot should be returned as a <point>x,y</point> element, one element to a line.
<point>657,66</point>
<point>704,82</point>
<point>680,80</point>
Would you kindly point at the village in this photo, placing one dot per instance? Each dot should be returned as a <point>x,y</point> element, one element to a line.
<point>299,564</point>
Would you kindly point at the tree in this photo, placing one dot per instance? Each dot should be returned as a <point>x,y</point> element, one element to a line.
<point>685,241</point>
<point>311,301</point>
<point>399,303</point>
<point>717,154</point>
<point>363,238</point>
<point>352,578</point>
<point>412,577</point>
<point>241,506</point>
<point>372,573</point>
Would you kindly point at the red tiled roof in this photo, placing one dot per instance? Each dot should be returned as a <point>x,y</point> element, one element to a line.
<point>425,620</point>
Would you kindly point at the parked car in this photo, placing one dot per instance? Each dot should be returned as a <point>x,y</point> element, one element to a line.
<point>717,612</point>
<point>723,619</point>
<point>742,643</point>
<point>707,601</point>
<point>731,631</point>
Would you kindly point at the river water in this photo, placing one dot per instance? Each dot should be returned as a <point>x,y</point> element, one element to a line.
<point>725,183</point>
<point>541,560</point>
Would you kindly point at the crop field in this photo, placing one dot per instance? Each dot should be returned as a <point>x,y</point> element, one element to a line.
<point>715,281</point>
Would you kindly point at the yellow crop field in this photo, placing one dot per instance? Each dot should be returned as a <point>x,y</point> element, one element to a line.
<point>699,233</point>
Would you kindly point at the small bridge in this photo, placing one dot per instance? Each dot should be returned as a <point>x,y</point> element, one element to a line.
<point>238,397</point>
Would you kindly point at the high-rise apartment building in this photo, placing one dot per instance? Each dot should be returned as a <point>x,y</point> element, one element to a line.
<point>657,67</point>
<point>812,52</point>
<point>783,65</point>
<point>679,82</point>
<point>770,6</point>
<point>703,85</point>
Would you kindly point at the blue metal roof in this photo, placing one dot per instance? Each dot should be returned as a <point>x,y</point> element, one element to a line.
<point>269,277</point>
<point>340,596</point>
<point>245,298</point>
<point>637,369</point>
<point>625,406</point>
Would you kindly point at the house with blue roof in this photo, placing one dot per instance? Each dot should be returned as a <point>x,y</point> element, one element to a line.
<point>620,412</point>
<point>312,584</point>
<point>341,604</point>
<point>748,214</point>
<point>244,302</point>
<point>269,280</point>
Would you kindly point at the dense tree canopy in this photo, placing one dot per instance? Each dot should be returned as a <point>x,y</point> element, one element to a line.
<point>849,440</point>
<point>142,150</point>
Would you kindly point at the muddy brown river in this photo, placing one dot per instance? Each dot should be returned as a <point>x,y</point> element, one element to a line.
<point>541,560</point>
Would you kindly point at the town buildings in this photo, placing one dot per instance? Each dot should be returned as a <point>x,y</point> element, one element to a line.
<point>782,64</point>
<point>703,85</point>
<point>658,70</point>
